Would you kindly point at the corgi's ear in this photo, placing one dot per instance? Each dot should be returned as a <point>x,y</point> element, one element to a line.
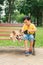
<point>14,32</point>
<point>20,30</point>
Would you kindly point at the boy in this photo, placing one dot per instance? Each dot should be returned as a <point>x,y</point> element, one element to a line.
<point>28,29</point>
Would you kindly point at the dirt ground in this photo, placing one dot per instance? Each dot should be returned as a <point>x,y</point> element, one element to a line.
<point>16,56</point>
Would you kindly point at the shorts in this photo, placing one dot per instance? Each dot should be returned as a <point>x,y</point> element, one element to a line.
<point>28,37</point>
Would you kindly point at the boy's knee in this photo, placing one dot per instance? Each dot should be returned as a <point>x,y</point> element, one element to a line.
<point>31,37</point>
<point>25,37</point>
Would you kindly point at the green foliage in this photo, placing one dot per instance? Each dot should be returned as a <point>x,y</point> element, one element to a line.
<point>19,18</point>
<point>4,19</point>
<point>0,8</point>
<point>22,7</point>
<point>32,7</point>
<point>9,10</point>
<point>1,1</point>
<point>16,12</point>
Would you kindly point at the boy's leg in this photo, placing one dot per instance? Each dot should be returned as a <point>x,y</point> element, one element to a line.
<point>31,45</point>
<point>25,38</point>
<point>26,45</point>
<point>31,38</point>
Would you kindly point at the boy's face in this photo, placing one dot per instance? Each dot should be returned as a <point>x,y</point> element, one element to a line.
<point>27,22</point>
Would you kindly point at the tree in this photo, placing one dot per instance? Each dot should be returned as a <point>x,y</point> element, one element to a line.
<point>0,13</point>
<point>1,2</point>
<point>9,10</point>
<point>34,7</point>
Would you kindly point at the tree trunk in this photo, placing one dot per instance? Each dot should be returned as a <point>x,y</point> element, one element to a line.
<point>11,4</point>
<point>9,14</point>
<point>9,18</point>
<point>37,20</point>
<point>42,18</point>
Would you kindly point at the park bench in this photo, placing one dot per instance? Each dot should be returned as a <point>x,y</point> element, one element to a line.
<point>7,28</point>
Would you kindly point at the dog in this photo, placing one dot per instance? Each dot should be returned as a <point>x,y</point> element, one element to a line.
<point>16,35</point>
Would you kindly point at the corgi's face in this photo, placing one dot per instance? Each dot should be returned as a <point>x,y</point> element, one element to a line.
<point>16,35</point>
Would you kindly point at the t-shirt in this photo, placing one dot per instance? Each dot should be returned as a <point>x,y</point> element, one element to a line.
<point>30,27</point>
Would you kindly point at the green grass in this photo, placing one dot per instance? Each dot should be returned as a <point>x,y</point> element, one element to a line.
<point>39,37</point>
<point>10,43</point>
<point>39,40</point>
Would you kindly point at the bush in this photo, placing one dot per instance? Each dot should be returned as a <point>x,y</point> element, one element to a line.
<point>19,18</point>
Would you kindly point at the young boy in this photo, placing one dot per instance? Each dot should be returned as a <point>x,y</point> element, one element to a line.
<point>29,29</point>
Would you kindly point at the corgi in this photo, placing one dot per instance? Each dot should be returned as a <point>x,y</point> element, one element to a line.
<point>16,35</point>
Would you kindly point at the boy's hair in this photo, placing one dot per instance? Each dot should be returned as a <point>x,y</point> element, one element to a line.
<point>26,17</point>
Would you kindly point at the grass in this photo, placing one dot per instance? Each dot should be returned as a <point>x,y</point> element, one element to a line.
<point>39,40</point>
<point>39,37</point>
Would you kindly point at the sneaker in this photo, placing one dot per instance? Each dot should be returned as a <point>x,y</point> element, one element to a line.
<point>26,53</point>
<point>30,52</point>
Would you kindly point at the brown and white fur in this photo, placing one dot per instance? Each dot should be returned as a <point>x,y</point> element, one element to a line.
<point>16,35</point>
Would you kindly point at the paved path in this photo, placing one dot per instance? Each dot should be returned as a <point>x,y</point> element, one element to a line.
<point>15,56</point>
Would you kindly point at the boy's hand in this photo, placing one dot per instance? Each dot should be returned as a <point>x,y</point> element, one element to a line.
<point>26,32</point>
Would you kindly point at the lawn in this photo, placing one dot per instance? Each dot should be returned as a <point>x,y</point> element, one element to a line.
<point>39,37</point>
<point>39,40</point>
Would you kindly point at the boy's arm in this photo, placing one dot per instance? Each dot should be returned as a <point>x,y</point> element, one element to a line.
<point>24,31</point>
<point>24,28</point>
<point>34,29</point>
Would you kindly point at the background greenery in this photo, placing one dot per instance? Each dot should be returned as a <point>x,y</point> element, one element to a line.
<point>17,9</point>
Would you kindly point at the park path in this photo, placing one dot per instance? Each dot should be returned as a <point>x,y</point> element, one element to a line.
<point>15,56</point>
